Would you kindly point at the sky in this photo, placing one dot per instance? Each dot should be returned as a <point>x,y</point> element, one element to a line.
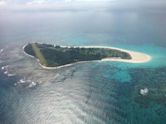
<point>75,5</point>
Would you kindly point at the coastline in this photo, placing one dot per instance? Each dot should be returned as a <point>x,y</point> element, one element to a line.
<point>58,67</point>
<point>26,53</point>
<point>136,57</point>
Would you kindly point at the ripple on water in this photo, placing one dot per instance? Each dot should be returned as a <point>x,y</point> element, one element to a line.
<point>85,93</point>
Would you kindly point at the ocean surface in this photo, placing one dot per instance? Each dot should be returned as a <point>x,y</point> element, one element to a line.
<point>88,93</point>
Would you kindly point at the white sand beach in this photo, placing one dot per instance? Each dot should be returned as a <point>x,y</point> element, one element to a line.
<point>137,57</point>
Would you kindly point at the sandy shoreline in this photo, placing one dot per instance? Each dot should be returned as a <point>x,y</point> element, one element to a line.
<point>137,57</point>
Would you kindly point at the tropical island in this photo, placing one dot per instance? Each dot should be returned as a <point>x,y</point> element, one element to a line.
<point>55,56</point>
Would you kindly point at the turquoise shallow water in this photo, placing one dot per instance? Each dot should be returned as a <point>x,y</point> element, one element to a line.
<point>89,93</point>
<point>97,92</point>
<point>156,52</point>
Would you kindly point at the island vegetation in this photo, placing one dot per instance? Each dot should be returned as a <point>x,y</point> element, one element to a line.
<point>53,56</point>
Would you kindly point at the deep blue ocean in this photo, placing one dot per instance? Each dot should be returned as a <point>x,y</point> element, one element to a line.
<point>88,93</point>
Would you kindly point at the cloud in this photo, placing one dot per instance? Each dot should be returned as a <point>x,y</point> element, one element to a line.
<point>80,5</point>
<point>36,2</point>
<point>68,0</point>
<point>3,2</point>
